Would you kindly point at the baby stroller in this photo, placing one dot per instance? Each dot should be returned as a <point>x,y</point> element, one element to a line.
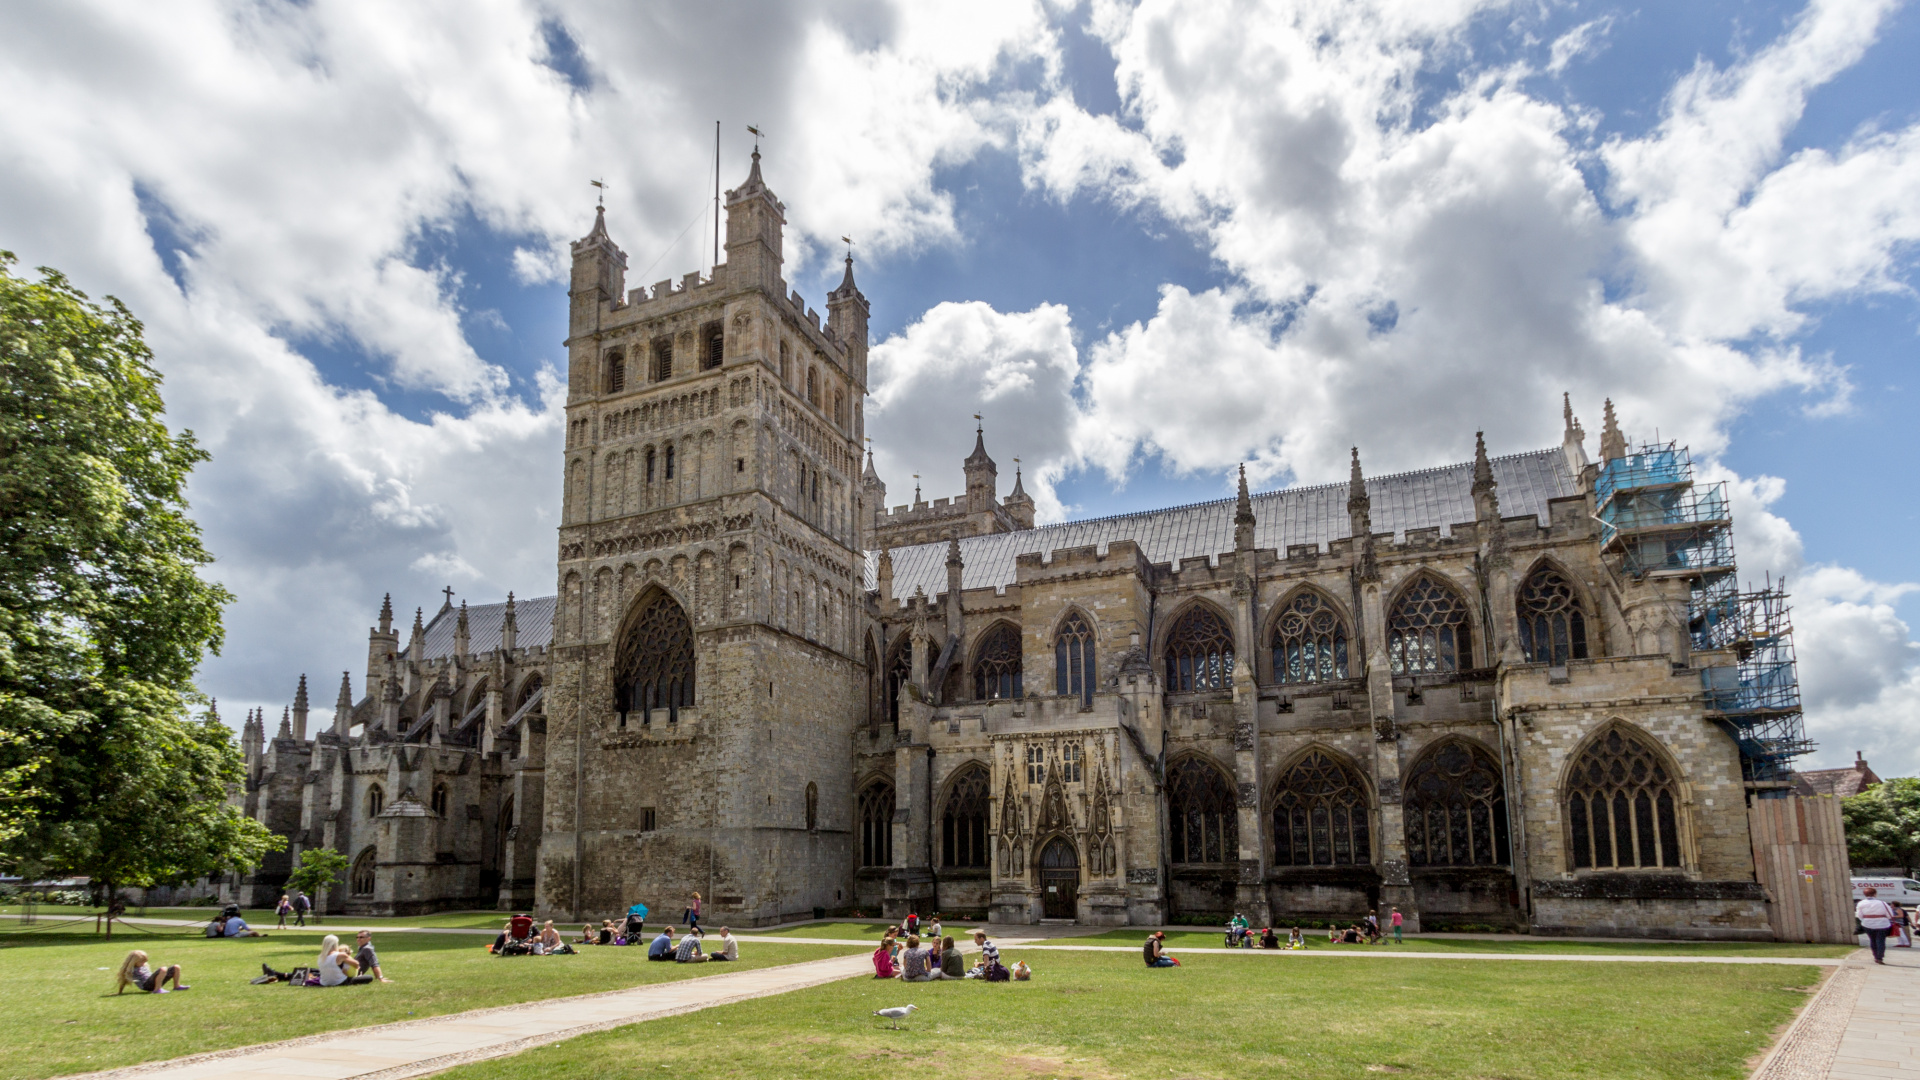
<point>636,923</point>
<point>519,937</point>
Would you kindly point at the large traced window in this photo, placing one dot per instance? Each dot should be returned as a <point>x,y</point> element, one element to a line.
<point>1199,652</point>
<point>653,669</point>
<point>362,878</point>
<point>1073,667</point>
<point>1621,809</point>
<point>1309,642</point>
<point>1428,630</point>
<point>1456,808</point>
<point>996,664</point>
<point>963,824</point>
<point>1320,815</point>
<point>1553,629</point>
<point>899,673</point>
<point>875,812</point>
<point>1201,814</point>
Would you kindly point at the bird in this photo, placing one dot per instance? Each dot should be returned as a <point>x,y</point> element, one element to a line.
<point>896,1014</point>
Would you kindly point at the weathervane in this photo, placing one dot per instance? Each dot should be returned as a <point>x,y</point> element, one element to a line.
<point>756,136</point>
<point>978,427</point>
<point>602,185</point>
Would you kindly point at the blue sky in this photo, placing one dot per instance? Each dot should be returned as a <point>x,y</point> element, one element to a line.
<point>1147,241</point>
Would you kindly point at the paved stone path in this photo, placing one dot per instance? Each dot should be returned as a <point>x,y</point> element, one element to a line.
<point>1583,958</point>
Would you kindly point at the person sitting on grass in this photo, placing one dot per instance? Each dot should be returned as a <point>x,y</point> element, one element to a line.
<point>729,948</point>
<point>917,964</point>
<point>883,959</point>
<point>369,960</point>
<point>550,941</point>
<point>337,965</point>
<point>662,946</point>
<point>606,932</point>
<point>1155,952</point>
<point>236,927</point>
<point>1352,936</point>
<point>952,964</point>
<point>689,951</point>
<point>135,969</point>
<point>587,935</point>
<point>1295,940</point>
<point>1269,939</point>
<point>934,931</point>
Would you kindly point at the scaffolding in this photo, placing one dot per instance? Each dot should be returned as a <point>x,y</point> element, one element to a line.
<point>1659,524</point>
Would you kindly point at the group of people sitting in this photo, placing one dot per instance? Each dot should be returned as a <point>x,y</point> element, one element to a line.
<point>337,965</point>
<point>519,938</point>
<point>906,958</point>
<point>229,924</point>
<point>692,948</point>
<point>1240,935</point>
<point>629,931</point>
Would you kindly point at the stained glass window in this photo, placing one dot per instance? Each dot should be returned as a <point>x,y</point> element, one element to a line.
<point>963,824</point>
<point>1553,629</point>
<point>1428,630</point>
<point>1621,810</point>
<point>1201,814</point>
<point>996,664</point>
<point>1321,816</point>
<point>1456,808</point>
<point>1309,642</point>
<point>1199,652</point>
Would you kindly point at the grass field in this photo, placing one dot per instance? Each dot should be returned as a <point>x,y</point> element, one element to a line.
<point>1177,940</point>
<point>262,919</point>
<point>63,1016</point>
<point>1097,1015</point>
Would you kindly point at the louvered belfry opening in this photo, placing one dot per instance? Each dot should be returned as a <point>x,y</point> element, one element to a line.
<point>654,666</point>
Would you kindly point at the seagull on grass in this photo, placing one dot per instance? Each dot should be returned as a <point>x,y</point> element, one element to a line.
<point>896,1014</point>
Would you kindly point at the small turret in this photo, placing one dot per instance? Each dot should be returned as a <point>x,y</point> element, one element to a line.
<point>253,736</point>
<point>300,710</point>
<point>343,706</point>
<point>509,627</point>
<point>1018,504</point>
<point>954,569</point>
<point>460,637</point>
<point>1243,516</point>
<point>883,576</point>
<point>755,220</point>
<point>1613,444</point>
<point>386,614</point>
<point>1486,499</point>
<point>847,318</point>
<point>1360,521</point>
<point>1573,438</point>
<point>286,724</point>
<point>983,476</point>
<point>417,644</point>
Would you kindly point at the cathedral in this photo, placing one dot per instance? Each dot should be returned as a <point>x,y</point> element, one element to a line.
<point>1520,692</point>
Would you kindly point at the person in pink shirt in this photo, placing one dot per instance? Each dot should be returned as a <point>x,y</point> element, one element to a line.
<point>1395,923</point>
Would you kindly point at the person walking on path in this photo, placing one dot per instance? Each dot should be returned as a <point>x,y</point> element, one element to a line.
<point>283,909</point>
<point>692,917</point>
<point>1876,916</point>
<point>1395,921</point>
<point>302,905</point>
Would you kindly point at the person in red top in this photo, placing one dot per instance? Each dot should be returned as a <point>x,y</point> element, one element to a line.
<point>1395,923</point>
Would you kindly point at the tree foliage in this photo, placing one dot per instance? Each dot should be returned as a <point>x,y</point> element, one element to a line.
<point>104,617</point>
<point>1883,824</point>
<point>319,868</point>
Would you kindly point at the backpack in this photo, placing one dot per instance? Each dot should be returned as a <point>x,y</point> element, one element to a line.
<point>997,972</point>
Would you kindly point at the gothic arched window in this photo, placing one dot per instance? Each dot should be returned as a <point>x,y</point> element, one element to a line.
<point>1456,808</point>
<point>963,824</point>
<point>1199,652</point>
<point>1309,642</point>
<point>1201,814</point>
<point>1428,630</point>
<point>376,801</point>
<point>899,673</point>
<point>1621,808</point>
<point>653,668</point>
<point>813,386</point>
<point>1553,629</point>
<point>1320,817</point>
<point>875,812</point>
<point>996,664</point>
<point>616,372</point>
<point>1073,665</point>
<point>440,799</point>
<point>527,690</point>
<point>362,878</point>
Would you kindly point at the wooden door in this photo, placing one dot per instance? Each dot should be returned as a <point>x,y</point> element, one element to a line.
<point>1059,879</point>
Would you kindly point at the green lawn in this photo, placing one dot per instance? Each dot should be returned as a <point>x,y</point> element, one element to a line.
<point>1177,940</point>
<point>1099,1015</point>
<point>63,1016</point>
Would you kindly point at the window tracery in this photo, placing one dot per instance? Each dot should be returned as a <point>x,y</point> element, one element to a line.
<point>654,668</point>
<point>876,824</point>
<point>1199,652</point>
<point>1429,631</point>
<point>363,873</point>
<point>1073,659</point>
<point>1321,816</point>
<point>1553,628</point>
<point>963,823</point>
<point>1309,642</point>
<point>376,801</point>
<point>1621,807</point>
<point>1202,816</point>
<point>996,664</point>
<point>1456,809</point>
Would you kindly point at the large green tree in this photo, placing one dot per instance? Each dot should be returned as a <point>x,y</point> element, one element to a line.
<point>104,617</point>
<point>1883,824</point>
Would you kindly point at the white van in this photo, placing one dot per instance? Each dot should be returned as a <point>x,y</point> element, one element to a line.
<point>1902,891</point>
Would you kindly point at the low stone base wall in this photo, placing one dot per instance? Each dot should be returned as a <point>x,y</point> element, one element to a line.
<point>1652,908</point>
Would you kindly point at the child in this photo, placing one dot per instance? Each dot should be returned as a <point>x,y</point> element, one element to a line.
<point>134,969</point>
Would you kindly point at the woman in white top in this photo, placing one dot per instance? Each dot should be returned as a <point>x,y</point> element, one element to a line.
<point>1877,917</point>
<point>337,965</point>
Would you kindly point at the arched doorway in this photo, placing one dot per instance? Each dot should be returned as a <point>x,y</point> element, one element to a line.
<point>1059,879</point>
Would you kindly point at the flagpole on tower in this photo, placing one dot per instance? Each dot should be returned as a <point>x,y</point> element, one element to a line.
<point>716,193</point>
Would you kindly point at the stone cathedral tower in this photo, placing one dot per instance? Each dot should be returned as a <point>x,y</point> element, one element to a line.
<point>706,678</point>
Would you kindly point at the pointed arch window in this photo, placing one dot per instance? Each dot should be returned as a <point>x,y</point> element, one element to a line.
<point>1622,812</point>
<point>616,372</point>
<point>654,667</point>
<point>662,359</point>
<point>1073,662</point>
<point>1428,630</point>
<point>440,799</point>
<point>813,386</point>
<point>1553,628</point>
<point>527,690</point>
<point>963,823</point>
<point>376,801</point>
<point>649,464</point>
<point>1456,809</point>
<point>996,664</point>
<point>1321,816</point>
<point>1309,642</point>
<point>875,811</point>
<point>716,349</point>
<point>899,673</point>
<point>1201,814</point>
<point>361,880</point>
<point>1199,652</point>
